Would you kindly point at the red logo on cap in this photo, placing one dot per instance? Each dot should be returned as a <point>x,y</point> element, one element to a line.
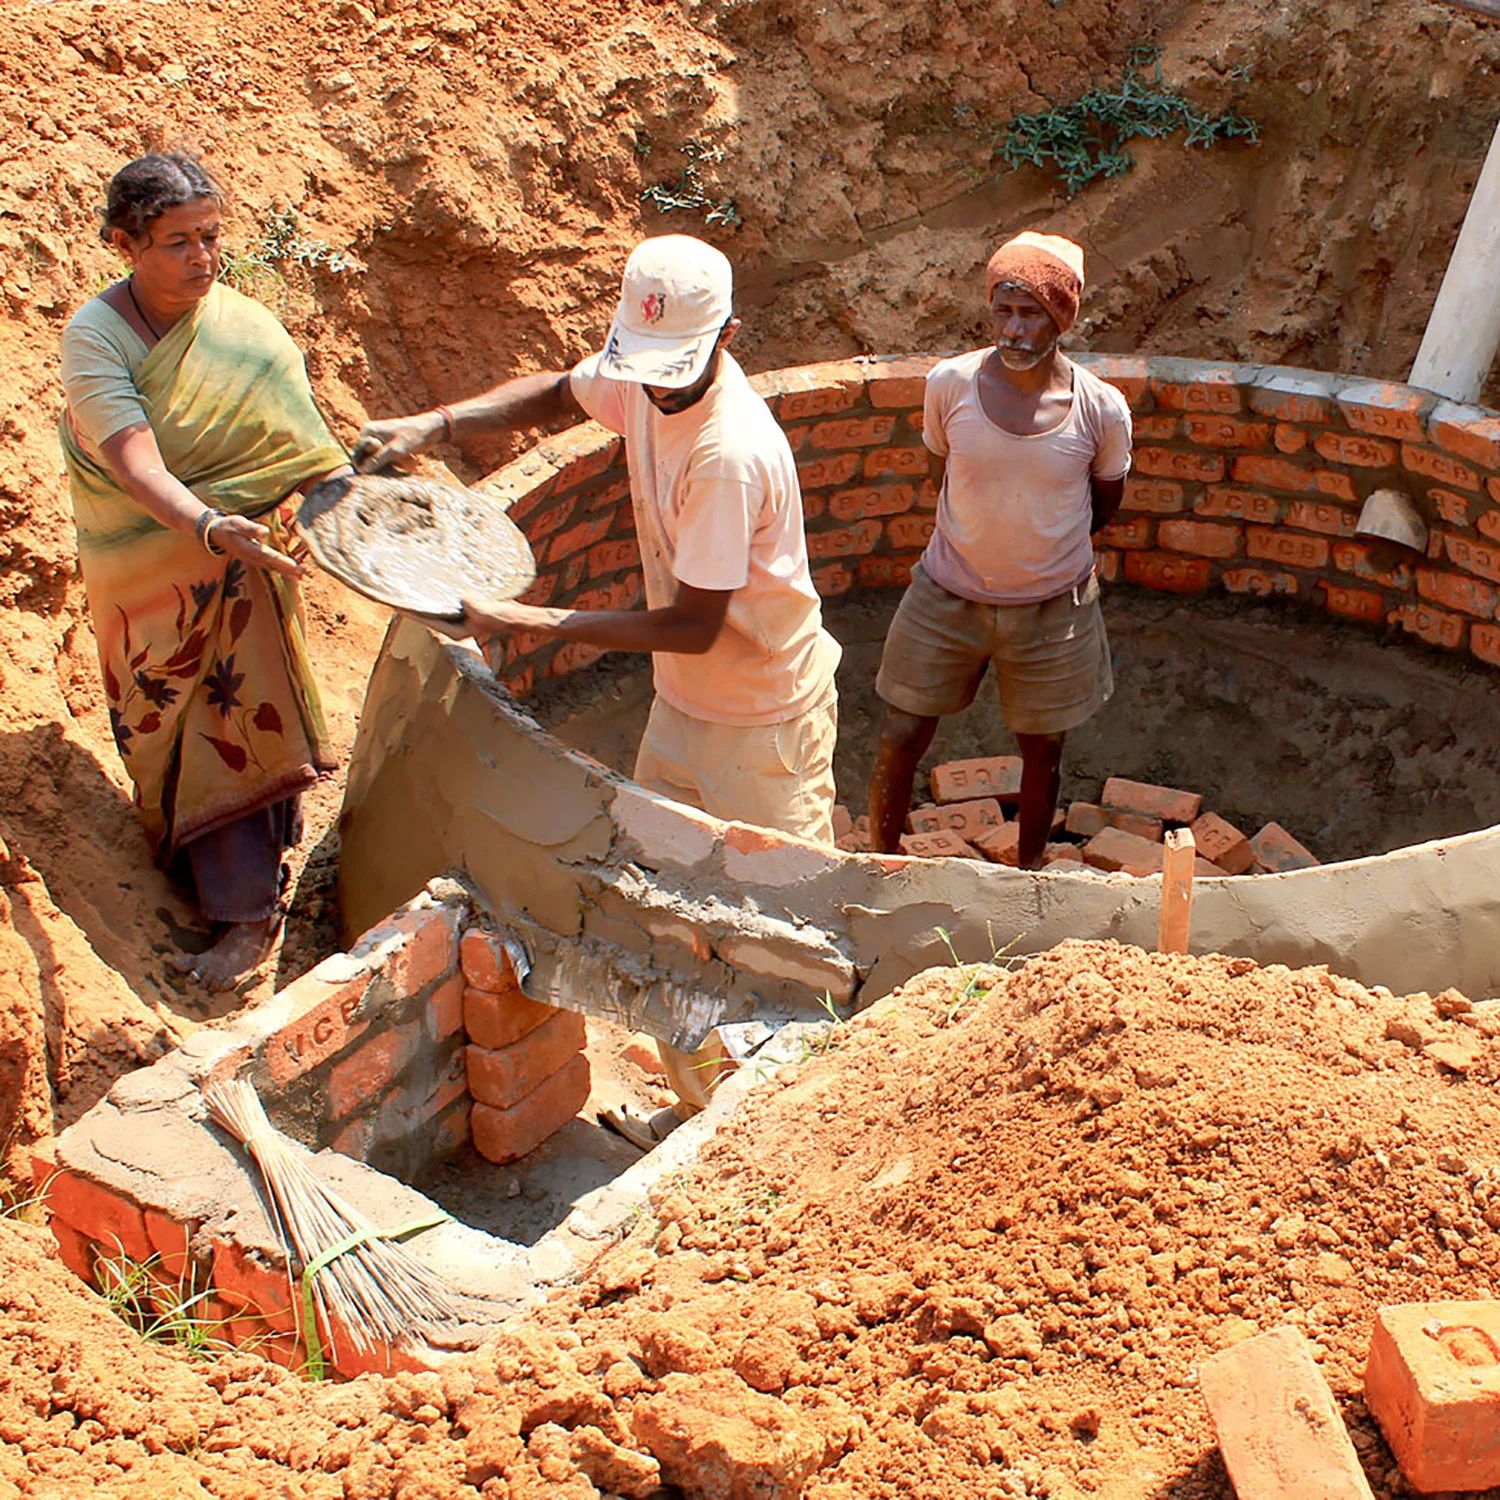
<point>652,307</point>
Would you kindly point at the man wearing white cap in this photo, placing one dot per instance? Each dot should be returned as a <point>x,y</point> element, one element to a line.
<point>745,714</point>
<point>1030,452</point>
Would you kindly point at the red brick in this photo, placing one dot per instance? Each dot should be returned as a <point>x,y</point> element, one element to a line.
<point>1290,406</point>
<point>327,1026</point>
<point>1435,626</point>
<point>1218,840</point>
<point>485,963</point>
<point>1201,538</point>
<point>900,392</point>
<point>1225,502</point>
<point>1432,1382</point>
<point>452,1086</point>
<point>610,496</point>
<point>1452,508</point>
<point>1061,854</point>
<point>610,557</point>
<point>964,818</point>
<point>1154,429</point>
<point>1135,532</point>
<point>1438,466</point>
<point>1280,1433</point>
<point>1387,410</point>
<point>1468,432</point>
<point>845,541</point>
<point>1002,845</point>
<point>445,1009</point>
<point>1359,559</point>
<point>1085,819</point>
<point>824,473</point>
<point>1474,557</point>
<point>493,1021</point>
<point>910,532</point>
<point>371,1068</point>
<point>1137,823</point>
<point>502,1135</point>
<point>1168,572</point>
<point>941,844</point>
<point>1484,642</point>
<point>861,432</point>
<point>578,538</point>
<point>928,495</point>
<point>1114,849</point>
<point>1488,523</point>
<point>1171,463</point>
<point>1275,849</point>
<point>245,1281</point>
<point>832,580</point>
<point>1357,449</point>
<point>1282,474</point>
<point>572,657</point>
<point>828,402</point>
<point>585,467</point>
<point>1156,497</point>
<point>1354,604</point>
<point>1329,519</point>
<point>1290,439</point>
<point>1226,432</point>
<point>355,1139</point>
<point>1170,804</point>
<point>114,1223</point>
<point>896,461</point>
<point>1129,373</point>
<point>75,1250</point>
<point>1259,582</point>
<point>170,1241</point>
<point>1455,591</point>
<point>886,572</point>
<point>1286,547</point>
<point>501,1076</point>
<point>996,776</point>
<point>871,500</point>
<point>1212,391</point>
<point>548,521</point>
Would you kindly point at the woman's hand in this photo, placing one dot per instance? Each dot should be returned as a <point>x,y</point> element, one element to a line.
<point>248,540</point>
<point>381,444</point>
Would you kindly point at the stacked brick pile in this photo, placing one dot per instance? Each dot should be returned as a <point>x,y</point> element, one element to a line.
<point>526,1068</point>
<point>972,816</point>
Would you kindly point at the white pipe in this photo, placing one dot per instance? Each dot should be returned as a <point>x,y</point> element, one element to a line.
<point>1463,332</point>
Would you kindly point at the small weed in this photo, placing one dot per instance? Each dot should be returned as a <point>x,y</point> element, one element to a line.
<point>260,270</point>
<point>160,1310</point>
<point>828,1037</point>
<point>690,194</point>
<point>1087,139</point>
<point>974,983</point>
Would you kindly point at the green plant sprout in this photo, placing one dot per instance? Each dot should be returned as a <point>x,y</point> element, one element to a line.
<point>260,269</point>
<point>160,1311</point>
<point>974,983</point>
<point>690,194</point>
<point>1087,139</point>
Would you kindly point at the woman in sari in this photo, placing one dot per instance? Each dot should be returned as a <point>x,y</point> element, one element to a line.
<point>189,420</point>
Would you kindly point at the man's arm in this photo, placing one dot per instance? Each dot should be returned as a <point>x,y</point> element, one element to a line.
<point>527,401</point>
<point>687,627</point>
<point>1105,496</point>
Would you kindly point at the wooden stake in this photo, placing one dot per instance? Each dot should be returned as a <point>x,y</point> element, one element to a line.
<point>1176,891</point>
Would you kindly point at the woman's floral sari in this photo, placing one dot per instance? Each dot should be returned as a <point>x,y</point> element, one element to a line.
<point>211,695</point>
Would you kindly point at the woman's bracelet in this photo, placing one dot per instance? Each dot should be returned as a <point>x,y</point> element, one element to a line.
<point>450,423</point>
<point>201,530</point>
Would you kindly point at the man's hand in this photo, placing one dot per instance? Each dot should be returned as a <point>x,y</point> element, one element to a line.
<point>382,444</point>
<point>484,619</point>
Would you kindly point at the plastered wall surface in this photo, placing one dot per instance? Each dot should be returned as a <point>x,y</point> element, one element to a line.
<point>1247,479</point>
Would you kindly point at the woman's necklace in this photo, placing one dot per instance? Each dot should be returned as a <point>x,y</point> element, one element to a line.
<point>135,302</point>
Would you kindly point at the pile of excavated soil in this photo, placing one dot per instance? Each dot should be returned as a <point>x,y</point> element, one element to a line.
<point>976,1247</point>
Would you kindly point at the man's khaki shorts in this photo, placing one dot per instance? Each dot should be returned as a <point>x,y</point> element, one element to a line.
<point>1051,659</point>
<point>773,775</point>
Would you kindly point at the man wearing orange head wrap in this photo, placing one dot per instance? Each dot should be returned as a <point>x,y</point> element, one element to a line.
<point>1030,453</point>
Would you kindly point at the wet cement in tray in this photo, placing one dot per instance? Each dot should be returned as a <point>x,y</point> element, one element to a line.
<point>1355,744</point>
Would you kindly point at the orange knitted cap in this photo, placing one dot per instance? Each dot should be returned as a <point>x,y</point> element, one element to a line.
<point>1046,265</point>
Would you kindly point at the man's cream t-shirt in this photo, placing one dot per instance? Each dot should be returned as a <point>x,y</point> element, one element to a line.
<point>1014,513</point>
<point>717,506</point>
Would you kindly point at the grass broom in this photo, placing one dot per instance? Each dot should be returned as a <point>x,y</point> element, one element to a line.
<point>353,1273</point>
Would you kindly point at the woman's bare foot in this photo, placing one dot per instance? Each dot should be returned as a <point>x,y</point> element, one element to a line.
<point>242,949</point>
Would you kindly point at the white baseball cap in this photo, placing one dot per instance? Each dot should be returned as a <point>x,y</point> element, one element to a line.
<point>676,294</point>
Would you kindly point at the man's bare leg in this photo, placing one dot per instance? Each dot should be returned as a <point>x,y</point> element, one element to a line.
<point>904,739</point>
<point>1041,781</point>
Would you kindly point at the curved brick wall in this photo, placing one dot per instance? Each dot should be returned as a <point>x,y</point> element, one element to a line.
<point>1246,477</point>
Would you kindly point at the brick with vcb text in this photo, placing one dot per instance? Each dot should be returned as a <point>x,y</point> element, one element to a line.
<point>1001,846</point>
<point>1218,840</point>
<point>1170,804</point>
<point>997,776</point>
<point>965,818</point>
<point>941,844</point>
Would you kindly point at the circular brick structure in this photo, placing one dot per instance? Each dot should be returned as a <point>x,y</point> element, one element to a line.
<point>1247,478</point>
